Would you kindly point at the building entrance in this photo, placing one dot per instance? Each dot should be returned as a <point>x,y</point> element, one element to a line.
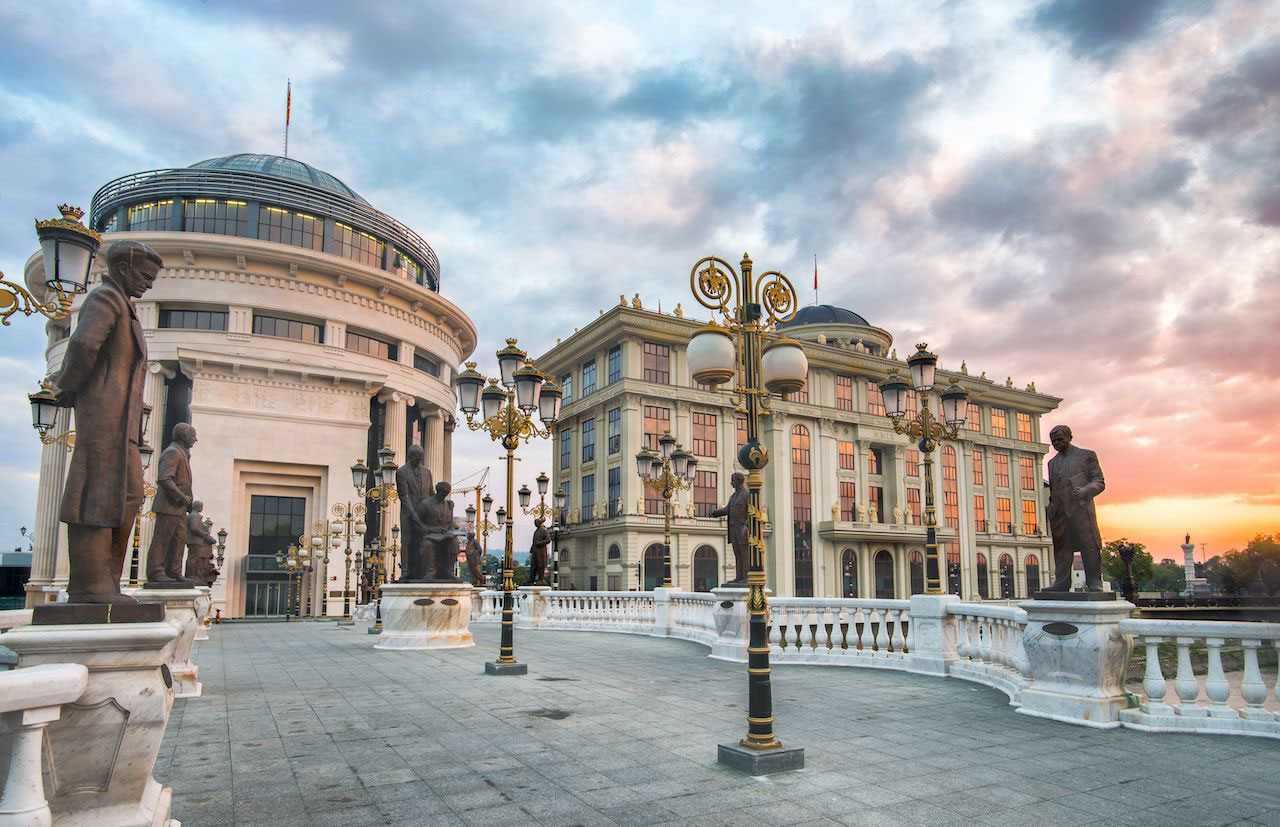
<point>274,523</point>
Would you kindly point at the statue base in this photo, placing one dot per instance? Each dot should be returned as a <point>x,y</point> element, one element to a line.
<point>170,584</point>
<point>733,622</point>
<point>532,608</point>
<point>81,614</point>
<point>425,616</point>
<point>1086,597</point>
<point>204,609</point>
<point>179,612</point>
<point>101,753</point>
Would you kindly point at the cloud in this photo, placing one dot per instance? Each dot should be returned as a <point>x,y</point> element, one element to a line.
<point>1102,29</point>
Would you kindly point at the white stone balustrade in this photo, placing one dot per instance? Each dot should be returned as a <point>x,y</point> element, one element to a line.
<point>693,617</point>
<point>1212,702</point>
<point>29,700</point>
<point>989,646</point>
<point>840,630</point>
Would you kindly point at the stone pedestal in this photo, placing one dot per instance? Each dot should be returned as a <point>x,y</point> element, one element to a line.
<point>760,762</point>
<point>425,616</point>
<point>533,608</point>
<point>733,624</point>
<point>933,636</point>
<point>1077,657</point>
<point>180,613</point>
<point>102,750</point>
<point>662,616</point>
<point>204,612</point>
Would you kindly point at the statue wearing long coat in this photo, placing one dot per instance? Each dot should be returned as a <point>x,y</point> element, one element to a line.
<point>1073,521</point>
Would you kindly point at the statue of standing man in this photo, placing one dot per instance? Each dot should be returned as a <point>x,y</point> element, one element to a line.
<point>413,486</point>
<point>102,378</point>
<point>170,504</point>
<point>199,545</point>
<point>739,525</point>
<point>538,554</point>
<point>1075,478</point>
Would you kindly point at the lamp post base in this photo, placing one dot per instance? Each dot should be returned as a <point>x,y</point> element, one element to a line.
<point>760,762</point>
<point>495,668</point>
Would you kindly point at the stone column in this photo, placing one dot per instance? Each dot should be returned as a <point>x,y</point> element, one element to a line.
<point>434,444</point>
<point>393,434</point>
<point>446,449</point>
<point>46,537</point>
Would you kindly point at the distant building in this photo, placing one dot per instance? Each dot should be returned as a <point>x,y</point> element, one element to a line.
<point>844,493</point>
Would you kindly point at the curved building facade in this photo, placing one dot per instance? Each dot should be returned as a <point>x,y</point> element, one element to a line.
<point>298,329</point>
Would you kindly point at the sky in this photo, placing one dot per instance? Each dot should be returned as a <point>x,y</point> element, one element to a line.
<point>1080,193</point>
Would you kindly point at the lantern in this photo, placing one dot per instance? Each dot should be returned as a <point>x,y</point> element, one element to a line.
<point>549,401</point>
<point>469,383</point>
<point>44,409</point>
<point>528,380</point>
<point>922,364</point>
<point>510,359</point>
<point>524,496</point>
<point>784,368</point>
<point>67,248</point>
<point>491,400</point>
<point>955,405</point>
<point>712,356</point>
<point>894,392</point>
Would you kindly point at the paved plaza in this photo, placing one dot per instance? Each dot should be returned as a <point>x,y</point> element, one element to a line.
<point>305,724</point>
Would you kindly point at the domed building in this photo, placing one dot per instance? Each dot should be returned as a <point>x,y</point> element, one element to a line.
<point>299,329</point>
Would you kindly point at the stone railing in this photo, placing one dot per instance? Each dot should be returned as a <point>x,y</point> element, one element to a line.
<point>692,617</point>
<point>487,606</point>
<point>988,646</point>
<point>31,699</point>
<point>840,630</point>
<point>600,611</point>
<point>1213,702</point>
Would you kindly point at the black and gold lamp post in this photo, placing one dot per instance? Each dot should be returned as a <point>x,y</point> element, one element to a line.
<point>148,491</point>
<point>221,547</point>
<point>506,406</point>
<point>746,351</point>
<point>347,525</point>
<point>544,512</point>
<point>483,527</point>
<point>383,494</point>
<point>293,561</point>
<point>666,471</point>
<point>926,427</point>
<point>67,248</point>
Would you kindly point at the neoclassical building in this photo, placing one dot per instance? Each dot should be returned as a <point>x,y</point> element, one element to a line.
<point>843,492</point>
<point>298,329</point>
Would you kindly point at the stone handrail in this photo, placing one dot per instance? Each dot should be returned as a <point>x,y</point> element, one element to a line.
<point>30,699</point>
<point>692,616</point>
<point>601,611</point>
<point>988,646</point>
<point>1209,703</point>
<point>487,608</point>
<point>833,630</point>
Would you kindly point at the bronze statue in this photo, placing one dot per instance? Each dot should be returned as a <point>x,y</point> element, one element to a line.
<point>102,378</point>
<point>439,541</point>
<point>739,523</point>
<point>475,560</point>
<point>1075,478</point>
<point>413,486</point>
<point>199,545</point>
<point>170,504</point>
<point>538,554</point>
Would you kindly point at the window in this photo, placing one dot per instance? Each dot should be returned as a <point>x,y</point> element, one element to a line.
<point>975,417</point>
<point>653,502</point>
<point>844,449</point>
<point>274,523</point>
<point>801,395</point>
<point>951,553</point>
<point>565,450</point>
<point>913,406</point>
<point>950,493</point>
<point>875,402</point>
<point>979,459</point>
<point>289,227</point>
<point>916,567</point>
<point>615,495</point>
<point>1024,425</point>
<point>657,421</point>
<point>357,245</point>
<point>705,564</point>
<point>657,363</point>
<point>588,440</point>
<point>288,329</point>
<point>849,566</point>
<point>999,422</point>
<point>406,267</point>
<point>361,343</point>
<point>1006,577</point>
<point>427,366</point>
<point>588,497</point>
<point>913,506</point>
<point>615,553</point>
<point>566,385</point>
<point>848,501</point>
<point>615,363</point>
<point>1004,524</point>
<point>1026,473</point>
<point>740,427</point>
<point>873,460</point>
<point>193,319</point>
<point>588,377</point>
<point>984,578</point>
<point>155,215</point>
<point>704,434</point>
<point>705,492</point>
<point>802,510</point>
<point>979,513</point>
<point>884,575</point>
<point>1033,574</point>
<point>844,392</point>
<point>208,215</point>
<point>1029,515</point>
<point>653,566</point>
<point>615,431</point>
<point>912,462</point>
<point>875,503</point>
<point>615,582</point>
<point>1001,462</point>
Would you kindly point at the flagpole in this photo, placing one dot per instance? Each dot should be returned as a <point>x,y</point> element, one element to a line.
<point>288,106</point>
<point>815,278</point>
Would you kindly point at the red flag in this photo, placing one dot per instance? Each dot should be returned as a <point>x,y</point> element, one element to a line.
<point>815,271</point>
<point>288,102</point>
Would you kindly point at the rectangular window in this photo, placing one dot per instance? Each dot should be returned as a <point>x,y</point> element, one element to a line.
<point>288,329</point>
<point>844,392</point>
<point>615,491</point>
<point>874,456</point>
<point>979,513</point>
<point>653,503</point>
<point>405,267</point>
<point>705,492</point>
<point>951,508</point>
<point>1026,473</point>
<point>615,363</point>
<point>357,245</point>
<point>193,319</point>
<point>657,421</point>
<point>588,497</point>
<point>975,417</point>
<point>209,215</point>
<point>913,406</point>
<point>427,366</point>
<point>566,384</point>
<point>274,523</point>
<point>361,343</point>
<point>913,506</point>
<point>1003,517</point>
<point>615,582</point>
<point>848,501</point>
<point>566,452</point>
<point>911,459</point>
<point>1029,513</point>
<point>588,377</point>
<point>704,434</point>
<point>289,227</point>
<point>155,215</point>
<point>801,396</point>
<point>657,363</point>
<point>875,402</point>
<point>1001,462</point>
<point>1024,426</point>
<point>588,440</point>
<point>999,422</point>
<point>802,510</point>
<point>740,430</point>
<point>978,459</point>
<point>844,449</point>
<point>875,503</point>
<point>615,430</point>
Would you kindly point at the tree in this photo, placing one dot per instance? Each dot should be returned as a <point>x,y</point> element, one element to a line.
<point>1168,577</point>
<point>1113,567</point>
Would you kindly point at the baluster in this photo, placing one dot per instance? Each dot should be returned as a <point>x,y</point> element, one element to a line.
<point>840,628</point>
<point>1185,683</point>
<point>1251,685</point>
<point>864,634</point>
<point>984,629</point>
<point>899,640</point>
<point>882,631</point>
<point>830,629</point>
<point>775,626</point>
<point>1000,642</point>
<point>1215,683</point>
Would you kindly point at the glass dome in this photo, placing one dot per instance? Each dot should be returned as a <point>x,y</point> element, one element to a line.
<point>280,167</point>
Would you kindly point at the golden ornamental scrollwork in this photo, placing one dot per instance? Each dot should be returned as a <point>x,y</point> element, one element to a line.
<point>15,299</point>
<point>712,280</point>
<point>777,298</point>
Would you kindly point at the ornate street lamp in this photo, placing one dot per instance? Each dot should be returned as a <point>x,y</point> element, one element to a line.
<point>506,414</point>
<point>668,471</point>
<point>67,248</point>
<point>928,429</point>
<point>383,494</point>
<point>751,309</point>
<point>548,515</point>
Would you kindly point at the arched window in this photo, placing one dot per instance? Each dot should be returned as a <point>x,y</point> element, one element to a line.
<point>652,567</point>
<point>705,576</point>
<point>953,566</point>
<point>984,581</point>
<point>1033,574</point>
<point>802,510</point>
<point>1007,584</point>
<point>615,553</point>
<point>884,575</point>
<point>849,573</point>
<point>916,560</point>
